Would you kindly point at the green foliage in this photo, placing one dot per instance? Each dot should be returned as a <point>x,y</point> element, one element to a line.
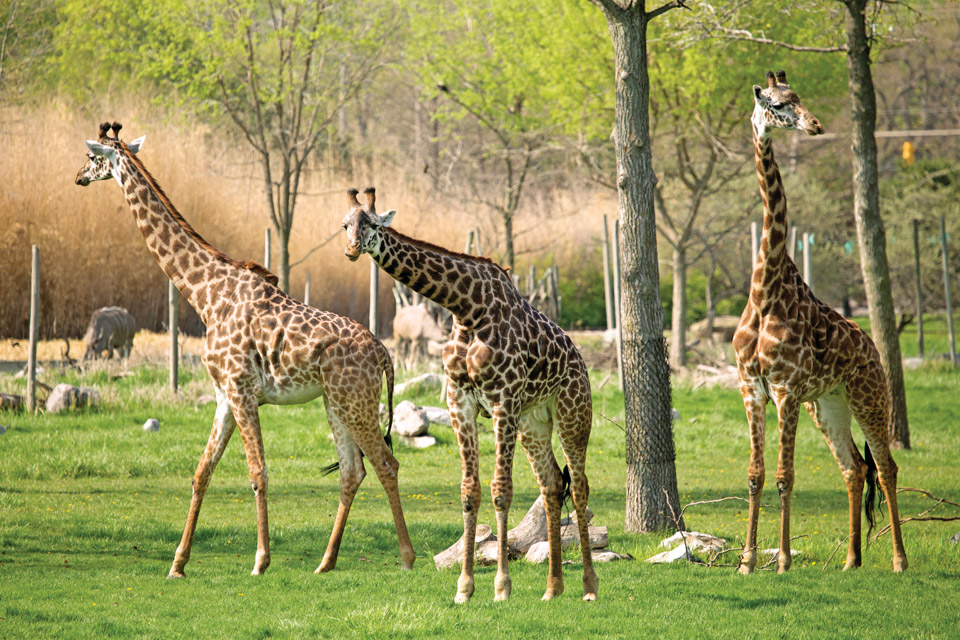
<point>581,286</point>
<point>523,67</point>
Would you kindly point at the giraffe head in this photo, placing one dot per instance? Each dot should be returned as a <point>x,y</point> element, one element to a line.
<point>103,158</point>
<point>363,224</point>
<point>778,106</point>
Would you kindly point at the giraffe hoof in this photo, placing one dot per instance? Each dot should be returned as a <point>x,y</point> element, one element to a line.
<point>462,598</point>
<point>175,574</point>
<point>899,566</point>
<point>745,569</point>
<point>325,568</point>
<point>590,596</point>
<point>550,594</point>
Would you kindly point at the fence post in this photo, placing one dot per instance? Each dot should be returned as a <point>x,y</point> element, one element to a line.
<point>306,292</point>
<point>374,298</point>
<point>266,248</point>
<point>607,290</point>
<point>792,247</point>
<point>173,304</point>
<point>478,251</point>
<point>916,267</point>
<point>755,231</point>
<point>616,297</point>
<point>808,259</point>
<point>558,298</point>
<point>946,291</point>
<point>468,249</point>
<point>34,328</point>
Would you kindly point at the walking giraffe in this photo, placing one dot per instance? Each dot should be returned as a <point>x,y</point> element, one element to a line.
<point>794,349</point>
<point>262,347</point>
<point>505,359</point>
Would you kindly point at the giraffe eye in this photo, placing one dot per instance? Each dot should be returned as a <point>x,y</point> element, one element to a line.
<point>778,105</point>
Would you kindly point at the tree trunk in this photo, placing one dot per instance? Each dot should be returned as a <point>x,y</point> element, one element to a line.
<point>508,239</point>
<point>870,231</point>
<point>651,488</point>
<point>283,259</point>
<point>678,325</point>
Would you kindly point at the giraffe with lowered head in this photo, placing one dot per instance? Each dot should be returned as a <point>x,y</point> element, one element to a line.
<point>504,359</point>
<point>794,349</point>
<point>262,347</point>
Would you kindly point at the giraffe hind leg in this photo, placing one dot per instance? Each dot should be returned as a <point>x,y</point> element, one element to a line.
<point>870,403</point>
<point>536,430</point>
<point>832,416</point>
<point>351,475</point>
<point>573,420</point>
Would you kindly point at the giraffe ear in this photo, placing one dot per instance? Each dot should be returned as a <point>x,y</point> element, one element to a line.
<point>136,144</point>
<point>101,149</point>
<point>756,92</point>
<point>386,219</point>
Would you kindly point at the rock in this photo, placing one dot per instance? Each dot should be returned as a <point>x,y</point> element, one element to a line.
<point>421,383</point>
<point>487,552</point>
<point>454,554</point>
<point>723,329</point>
<point>773,552</point>
<point>65,397</point>
<point>152,424</point>
<point>437,415</point>
<point>671,556</point>
<point>4,429</point>
<point>11,402</point>
<point>956,538</point>
<point>674,414</point>
<point>695,540</point>
<point>912,363</point>
<point>533,527</point>
<point>570,536</point>
<point>539,552</point>
<point>205,399</point>
<point>418,442</point>
<point>605,555</point>
<point>410,420</point>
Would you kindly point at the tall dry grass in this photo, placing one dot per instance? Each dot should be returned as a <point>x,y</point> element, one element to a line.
<point>93,255</point>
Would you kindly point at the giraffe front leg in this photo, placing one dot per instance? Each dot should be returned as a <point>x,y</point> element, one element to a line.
<point>788,410</point>
<point>754,401</point>
<point>223,426</point>
<point>463,416</point>
<point>506,417</point>
<point>248,420</point>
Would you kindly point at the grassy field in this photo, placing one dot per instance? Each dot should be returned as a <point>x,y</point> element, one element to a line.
<point>92,507</point>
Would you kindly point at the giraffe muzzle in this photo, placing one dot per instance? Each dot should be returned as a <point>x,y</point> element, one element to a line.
<point>351,256</point>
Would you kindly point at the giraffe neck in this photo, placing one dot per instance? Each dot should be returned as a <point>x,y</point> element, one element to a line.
<point>769,269</point>
<point>452,280</point>
<point>185,257</point>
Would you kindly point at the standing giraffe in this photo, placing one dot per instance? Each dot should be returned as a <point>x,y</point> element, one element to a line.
<point>504,359</point>
<point>794,349</point>
<point>262,347</point>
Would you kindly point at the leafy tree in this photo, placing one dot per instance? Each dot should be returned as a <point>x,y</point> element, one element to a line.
<point>521,75</point>
<point>652,497</point>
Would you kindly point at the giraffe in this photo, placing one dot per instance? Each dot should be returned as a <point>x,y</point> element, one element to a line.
<point>794,349</point>
<point>262,347</point>
<point>504,359</point>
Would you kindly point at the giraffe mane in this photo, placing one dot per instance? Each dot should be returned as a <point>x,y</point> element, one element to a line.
<point>422,244</point>
<point>249,265</point>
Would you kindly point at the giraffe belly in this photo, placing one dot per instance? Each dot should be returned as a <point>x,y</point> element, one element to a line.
<point>289,393</point>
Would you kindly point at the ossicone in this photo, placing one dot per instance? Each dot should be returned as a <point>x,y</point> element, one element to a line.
<point>782,76</point>
<point>352,197</point>
<point>371,195</point>
<point>771,79</point>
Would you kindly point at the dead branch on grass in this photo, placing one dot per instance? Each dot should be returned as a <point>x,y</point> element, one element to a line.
<point>922,516</point>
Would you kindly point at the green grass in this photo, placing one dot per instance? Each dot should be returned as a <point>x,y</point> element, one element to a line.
<point>91,511</point>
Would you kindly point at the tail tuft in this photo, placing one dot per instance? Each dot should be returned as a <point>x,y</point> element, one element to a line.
<point>330,468</point>
<point>870,506</point>
<point>565,487</point>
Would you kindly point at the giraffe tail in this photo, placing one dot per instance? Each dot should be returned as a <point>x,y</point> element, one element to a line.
<point>386,365</point>
<point>565,487</point>
<point>870,495</point>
